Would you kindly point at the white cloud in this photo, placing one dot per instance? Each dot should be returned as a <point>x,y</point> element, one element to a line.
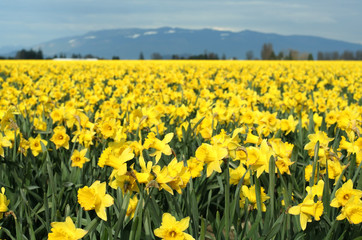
<point>170,31</point>
<point>150,33</point>
<point>134,36</point>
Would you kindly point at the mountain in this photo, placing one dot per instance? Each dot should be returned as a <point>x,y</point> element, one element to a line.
<point>129,43</point>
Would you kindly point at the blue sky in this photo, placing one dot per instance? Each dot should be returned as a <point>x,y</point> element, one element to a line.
<point>29,22</point>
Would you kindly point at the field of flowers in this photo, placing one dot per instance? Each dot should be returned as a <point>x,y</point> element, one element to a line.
<point>180,150</point>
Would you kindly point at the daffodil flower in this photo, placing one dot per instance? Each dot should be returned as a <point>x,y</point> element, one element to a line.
<point>65,230</point>
<point>95,198</point>
<point>171,229</point>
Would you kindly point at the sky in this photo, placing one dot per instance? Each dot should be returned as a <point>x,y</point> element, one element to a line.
<point>30,22</point>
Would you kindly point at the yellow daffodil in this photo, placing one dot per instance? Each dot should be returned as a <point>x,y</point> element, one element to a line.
<point>132,205</point>
<point>114,159</point>
<point>314,138</point>
<point>288,125</point>
<point>258,158</point>
<point>352,210</point>
<point>60,138</point>
<point>237,173</point>
<point>307,209</point>
<point>212,156</point>
<point>344,193</point>
<point>35,145</point>
<point>250,194</point>
<point>78,158</point>
<point>195,167</point>
<point>161,147</point>
<point>95,198</point>
<point>4,142</point>
<point>4,203</point>
<point>65,230</point>
<point>109,128</point>
<point>171,229</point>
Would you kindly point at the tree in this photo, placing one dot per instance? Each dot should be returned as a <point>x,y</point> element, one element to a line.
<point>89,56</point>
<point>115,58</point>
<point>280,55</point>
<point>359,55</point>
<point>335,55</point>
<point>76,55</point>
<point>320,56</point>
<point>141,57</point>
<point>267,51</point>
<point>249,55</point>
<point>175,56</point>
<point>29,54</point>
<point>347,55</point>
<point>293,54</point>
<point>156,56</point>
<point>62,55</point>
<point>310,57</point>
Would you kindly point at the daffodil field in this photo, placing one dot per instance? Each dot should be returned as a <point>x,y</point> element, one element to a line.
<point>180,150</point>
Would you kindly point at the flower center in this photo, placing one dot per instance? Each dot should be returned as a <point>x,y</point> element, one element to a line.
<point>173,234</point>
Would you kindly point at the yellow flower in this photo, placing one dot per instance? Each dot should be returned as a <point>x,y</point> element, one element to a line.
<point>145,176</point>
<point>195,167</point>
<point>317,189</point>
<point>57,115</point>
<point>39,124</point>
<point>258,158</point>
<point>251,195</point>
<point>4,142</point>
<point>307,209</point>
<point>163,178</point>
<point>212,156</point>
<point>4,203</point>
<point>78,158</point>
<point>352,210</point>
<point>123,180</point>
<point>331,118</point>
<point>95,197</point>
<point>288,125</point>
<point>60,138</point>
<point>251,138</point>
<point>23,146</point>
<point>308,173</point>
<point>35,145</point>
<point>314,138</point>
<point>110,157</point>
<point>84,137</point>
<point>132,205</point>
<point>160,146</point>
<point>109,128</point>
<point>335,169</point>
<point>180,175</point>
<point>173,230</point>
<point>8,119</point>
<point>65,230</point>
<point>283,165</point>
<point>237,173</point>
<point>344,193</point>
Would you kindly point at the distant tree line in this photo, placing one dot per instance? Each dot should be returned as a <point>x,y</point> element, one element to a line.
<point>346,55</point>
<point>267,53</point>
<point>29,54</point>
<point>203,56</point>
